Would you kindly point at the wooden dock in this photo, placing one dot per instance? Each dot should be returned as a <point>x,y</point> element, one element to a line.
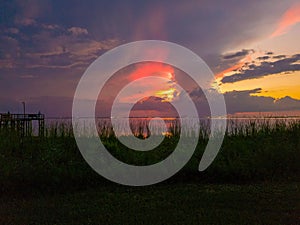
<point>22,123</point>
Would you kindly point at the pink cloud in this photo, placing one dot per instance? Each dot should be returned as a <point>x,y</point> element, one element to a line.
<point>290,18</point>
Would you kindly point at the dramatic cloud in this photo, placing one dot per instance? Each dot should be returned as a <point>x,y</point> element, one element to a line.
<point>153,107</point>
<point>243,101</point>
<point>232,66</point>
<point>263,57</point>
<point>239,54</point>
<point>36,45</point>
<point>45,46</point>
<point>265,69</point>
<point>279,56</point>
<point>246,101</point>
<point>204,26</point>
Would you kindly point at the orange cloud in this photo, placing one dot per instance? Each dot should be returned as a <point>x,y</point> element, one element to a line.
<point>166,92</point>
<point>166,95</point>
<point>154,69</point>
<point>230,69</point>
<point>289,19</point>
<point>235,67</point>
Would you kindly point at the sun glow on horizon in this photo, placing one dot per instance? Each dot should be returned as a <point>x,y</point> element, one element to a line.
<point>275,86</point>
<point>278,85</point>
<point>167,95</point>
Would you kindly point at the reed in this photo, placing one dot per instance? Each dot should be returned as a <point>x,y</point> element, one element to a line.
<point>252,150</point>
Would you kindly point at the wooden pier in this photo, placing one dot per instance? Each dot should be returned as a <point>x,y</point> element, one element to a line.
<point>22,123</point>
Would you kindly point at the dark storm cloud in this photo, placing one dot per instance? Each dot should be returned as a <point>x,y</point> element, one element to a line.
<point>265,69</point>
<point>207,27</point>
<point>265,57</point>
<point>36,45</point>
<point>279,56</point>
<point>238,54</point>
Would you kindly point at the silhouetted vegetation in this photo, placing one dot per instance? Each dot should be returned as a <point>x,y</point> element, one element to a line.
<point>251,151</point>
<point>253,180</point>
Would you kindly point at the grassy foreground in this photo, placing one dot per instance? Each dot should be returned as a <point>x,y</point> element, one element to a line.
<point>253,180</point>
<point>189,203</point>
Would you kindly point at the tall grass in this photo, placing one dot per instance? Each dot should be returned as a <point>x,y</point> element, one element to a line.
<point>252,150</point>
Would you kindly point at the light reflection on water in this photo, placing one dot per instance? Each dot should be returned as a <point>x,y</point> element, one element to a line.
<point>237,122</point>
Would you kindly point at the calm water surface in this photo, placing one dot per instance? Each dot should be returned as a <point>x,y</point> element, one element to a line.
<point>141,125</point>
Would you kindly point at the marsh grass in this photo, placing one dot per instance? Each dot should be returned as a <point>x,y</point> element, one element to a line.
<point>253,150</point>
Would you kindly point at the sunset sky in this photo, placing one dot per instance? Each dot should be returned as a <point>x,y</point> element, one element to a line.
<point>252,47</point>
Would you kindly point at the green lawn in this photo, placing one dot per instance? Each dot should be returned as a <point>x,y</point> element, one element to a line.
<point>190,203</point>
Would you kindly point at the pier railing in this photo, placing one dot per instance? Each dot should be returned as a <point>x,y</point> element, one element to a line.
<point>22,123</point>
